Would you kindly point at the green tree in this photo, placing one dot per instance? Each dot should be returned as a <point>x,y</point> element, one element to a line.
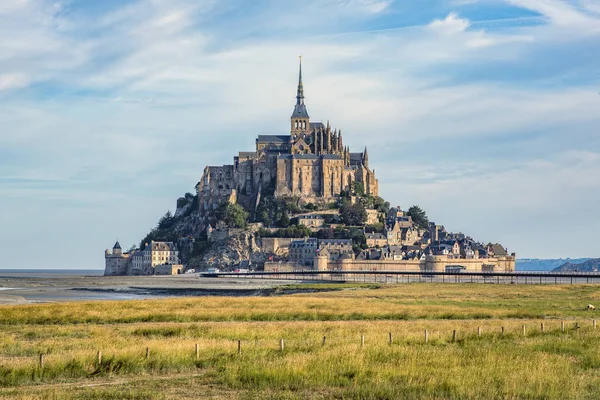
<point>166,221</point>
<point>326,233</point>
<point>418,216</point>
<point>353,214</point>
<point>284,220</point>
<point>233,215</point>
<point>381,205</point>
<point>359,188</point>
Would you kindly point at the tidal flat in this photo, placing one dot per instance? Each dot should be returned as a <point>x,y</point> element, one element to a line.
<point>482,341</point>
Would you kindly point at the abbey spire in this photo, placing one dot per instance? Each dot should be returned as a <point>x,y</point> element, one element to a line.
<point>300,119</point>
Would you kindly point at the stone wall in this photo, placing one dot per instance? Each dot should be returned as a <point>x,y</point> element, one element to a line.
<point>274,245</point>
<point>430,264</point>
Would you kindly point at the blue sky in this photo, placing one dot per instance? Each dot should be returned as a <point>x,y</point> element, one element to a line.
<point>484,112</point>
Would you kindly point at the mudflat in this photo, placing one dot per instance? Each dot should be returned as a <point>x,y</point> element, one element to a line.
<point>23,290</point>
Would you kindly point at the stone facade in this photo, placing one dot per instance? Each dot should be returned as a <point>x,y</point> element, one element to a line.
<point>144,262</point>
<point>311,162</point>
<point>115,262</point>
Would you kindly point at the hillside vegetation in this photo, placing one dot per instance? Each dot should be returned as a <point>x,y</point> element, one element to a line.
<point>322,356</point>
<point>592,265</point>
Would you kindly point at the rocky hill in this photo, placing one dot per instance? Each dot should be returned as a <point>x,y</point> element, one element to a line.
<point>591,265</point>
<point>540,264</point>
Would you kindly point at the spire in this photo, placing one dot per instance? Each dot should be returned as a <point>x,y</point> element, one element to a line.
<point>300,108</point>
<point>300,95</point>
<point>366,158</point>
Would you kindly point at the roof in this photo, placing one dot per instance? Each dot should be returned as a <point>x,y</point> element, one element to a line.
<point>273,138</point>
<point>317,125</point>
<point>300,111</point>
<point>303,242</point>
<point>499,250</point>
<point>163,246</point>
<point>117,245</point>
<point>336,241</point>
<point>375,236</point>
<point>355,158</point>
<point>310,217</point>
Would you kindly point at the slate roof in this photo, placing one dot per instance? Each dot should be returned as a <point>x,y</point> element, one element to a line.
<point>273,139</point>
<point>355,158</point>
<point>300,111</point>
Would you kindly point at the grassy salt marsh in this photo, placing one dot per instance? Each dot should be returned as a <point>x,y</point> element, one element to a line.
<point>549,364</point>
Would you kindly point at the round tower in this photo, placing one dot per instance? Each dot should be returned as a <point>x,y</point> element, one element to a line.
<point>321,263</point>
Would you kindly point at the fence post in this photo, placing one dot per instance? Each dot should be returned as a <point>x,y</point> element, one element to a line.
<point>502,331</point>
<point>362,340</point>
<point>239,347</point>
<point>562,326</point>
<point>391,338</point>
<point>542,327</point>
<point>281,344</point>
<point>479,331</point>
<point>324,340</point>
<point>197,351</point>
<point>147,352</point>
<point>524,330</point>
<point>41,361</point>
<point>576,325</point>
<point>426,336</point>
<point>594,324</point>
<point>454,335</point>
<point>99,357</point>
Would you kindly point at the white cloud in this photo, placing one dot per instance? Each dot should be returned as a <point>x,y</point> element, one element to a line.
<point>565,14</point>
<point>13,81</point>
<point>450,25</point>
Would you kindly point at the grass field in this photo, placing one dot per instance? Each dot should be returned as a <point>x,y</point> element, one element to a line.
<point>549,364</point>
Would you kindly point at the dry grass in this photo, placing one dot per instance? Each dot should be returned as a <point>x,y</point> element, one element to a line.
<point>552,364</point>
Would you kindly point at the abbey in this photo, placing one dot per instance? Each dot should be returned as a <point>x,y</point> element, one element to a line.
<point>310,162</point>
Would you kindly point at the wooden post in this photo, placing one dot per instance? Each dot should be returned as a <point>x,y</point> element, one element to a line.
<point>479,331</point>
<point>391,338</point>
<point>197,351</point>
<point>454,335</point>
<point>542,327</point>
<point>147,352</point>
<point>362,340</point>
<point>239,347</point>
<point>524,330</point>
<point>99,356</point>
<point>594,324</point>
<point>324,340</point>
<point>41,361</point>
<point>576,325</point>
<point>426,336</point>
<point>562,326</point>
<point>281,344</point>
<point>502,331</point>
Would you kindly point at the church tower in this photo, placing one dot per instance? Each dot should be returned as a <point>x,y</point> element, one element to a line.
<point>300,119</point>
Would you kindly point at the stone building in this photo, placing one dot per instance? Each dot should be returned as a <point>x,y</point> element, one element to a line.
<point>144,262</point>
<point>115,262</point>
<point>311,221</point>
<point>311,162</point>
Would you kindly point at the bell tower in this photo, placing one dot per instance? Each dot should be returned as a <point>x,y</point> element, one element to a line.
<point>300,121</point>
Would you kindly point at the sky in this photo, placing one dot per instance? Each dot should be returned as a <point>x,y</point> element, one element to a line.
<point>486,113</point>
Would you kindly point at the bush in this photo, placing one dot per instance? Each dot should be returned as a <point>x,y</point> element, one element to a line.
<point>418,216</point>
<point>353,214</point>
<point>233,215</point>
